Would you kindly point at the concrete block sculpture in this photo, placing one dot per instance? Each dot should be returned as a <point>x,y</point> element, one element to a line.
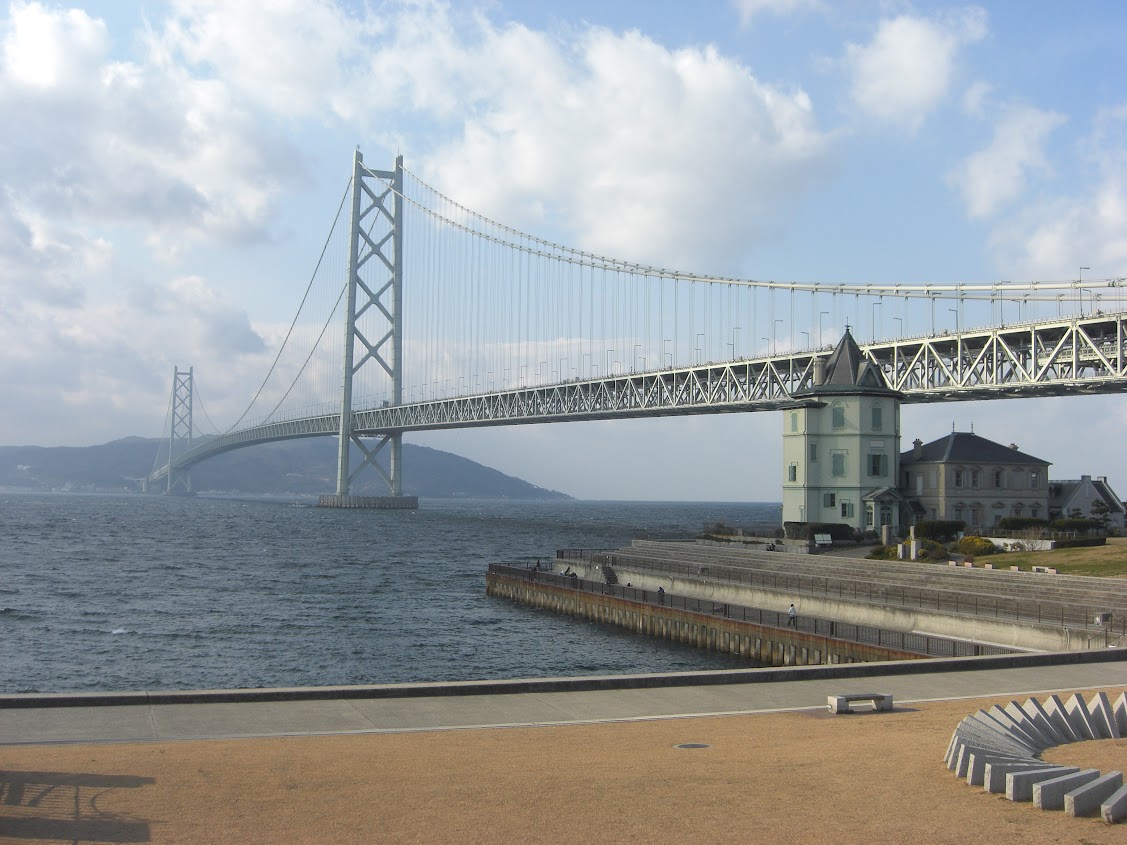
<point>999,749</point>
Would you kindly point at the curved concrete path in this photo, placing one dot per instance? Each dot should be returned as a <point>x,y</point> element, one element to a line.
<point>199,715</point>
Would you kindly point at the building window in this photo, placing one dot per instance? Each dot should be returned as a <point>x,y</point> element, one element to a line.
<point>1035,480</point>
<point>931,480</point>
<point>792,472</point>
<point>813,451</point>
<point>974,480</point>
<point>869,515</point>
<point>846,508</point>
<point>958,478</point>
<point>958,512</point>
<point>975,516</point>
<point>838,415</point>
<point>998,479</point>
<point>878,417</point>
<point>1017,509</point>
<point>1035,511</point>
<point>878,465</point>
<point>920,484</point>
<point>794,421</point>
<point>829,500</point>
<point>838,464</point>
<point>885,515</point>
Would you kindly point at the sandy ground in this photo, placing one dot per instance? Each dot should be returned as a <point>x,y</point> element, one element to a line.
<point>794,777</point>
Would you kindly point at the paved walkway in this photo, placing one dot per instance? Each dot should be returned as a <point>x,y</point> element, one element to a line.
<point>148,722</point>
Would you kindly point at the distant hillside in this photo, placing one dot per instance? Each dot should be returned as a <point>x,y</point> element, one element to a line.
<point>306,467</point>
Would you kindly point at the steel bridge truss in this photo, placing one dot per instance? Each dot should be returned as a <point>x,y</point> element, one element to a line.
<point>1075,356</point>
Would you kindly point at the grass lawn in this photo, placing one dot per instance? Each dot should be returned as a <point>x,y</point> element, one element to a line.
<point>1108,561</point>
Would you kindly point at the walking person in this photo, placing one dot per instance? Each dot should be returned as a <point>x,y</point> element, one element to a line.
<point>792,616</point>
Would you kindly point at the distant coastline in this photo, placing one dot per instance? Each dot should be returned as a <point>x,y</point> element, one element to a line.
<point>295,468</point>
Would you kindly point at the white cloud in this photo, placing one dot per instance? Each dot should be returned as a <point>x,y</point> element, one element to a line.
<point>1051,238</point>
<point>679,157</point>
<point>290,56</point>
<point>750,9</point>
<point>976,97</point>
<point>906,70</point>
<point>996,175</point>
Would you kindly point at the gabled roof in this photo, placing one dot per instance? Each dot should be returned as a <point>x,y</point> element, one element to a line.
<point>1061,493</point>
<point>967,447</point>
<point>883,494</point>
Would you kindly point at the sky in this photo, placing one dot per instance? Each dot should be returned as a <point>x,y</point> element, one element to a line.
<point>169,171</point>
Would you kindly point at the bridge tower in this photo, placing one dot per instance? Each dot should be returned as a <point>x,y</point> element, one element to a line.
<point>374,288</point>
<point>180,432</point>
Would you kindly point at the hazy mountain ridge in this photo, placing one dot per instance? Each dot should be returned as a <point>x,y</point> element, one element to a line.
<point>306,467</point>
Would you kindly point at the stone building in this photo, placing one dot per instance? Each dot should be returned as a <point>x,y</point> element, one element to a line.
<point>841,445</point>
<point>1078,497</point>
<point>966,477</point>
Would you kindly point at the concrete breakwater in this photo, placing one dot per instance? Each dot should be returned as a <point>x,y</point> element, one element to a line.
<point>717,627</point>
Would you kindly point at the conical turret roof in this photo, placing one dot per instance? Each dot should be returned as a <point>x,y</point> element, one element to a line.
<point>847,370</point>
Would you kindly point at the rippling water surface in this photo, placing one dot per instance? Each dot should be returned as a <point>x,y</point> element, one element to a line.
<point>147,592</point>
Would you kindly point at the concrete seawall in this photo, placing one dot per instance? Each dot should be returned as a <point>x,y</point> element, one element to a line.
<point>763,643</point>
<point>1002,632</point>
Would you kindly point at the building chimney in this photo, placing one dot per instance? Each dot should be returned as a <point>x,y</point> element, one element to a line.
<point>819,370</point>
<point>917,448</point>
<point>1013,446</point>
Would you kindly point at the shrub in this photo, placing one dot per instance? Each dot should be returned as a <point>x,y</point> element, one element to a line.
<point>976,547</point>
<point>1020,523</point>
<point>1076,542</point>
<point>943,530</point>
<point>1078,524</point>
<point>838,531</point>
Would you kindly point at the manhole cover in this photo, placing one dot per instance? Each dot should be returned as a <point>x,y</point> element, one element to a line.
<point>693,745</point>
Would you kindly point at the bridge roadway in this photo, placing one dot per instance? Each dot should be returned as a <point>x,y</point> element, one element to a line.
<point>1065,602</point>
<point>1048,358</point>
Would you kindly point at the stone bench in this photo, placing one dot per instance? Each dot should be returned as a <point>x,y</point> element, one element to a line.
<point>840,703</point>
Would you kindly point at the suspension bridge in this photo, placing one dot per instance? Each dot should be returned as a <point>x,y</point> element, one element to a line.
<point>422,314</point>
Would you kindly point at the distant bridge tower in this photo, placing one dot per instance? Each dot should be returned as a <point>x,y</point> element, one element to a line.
<point>375,290</point>
<point>180,432</point>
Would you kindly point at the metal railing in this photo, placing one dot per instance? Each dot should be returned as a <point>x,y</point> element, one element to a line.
<point>940,601</point>
<point>921,644</point>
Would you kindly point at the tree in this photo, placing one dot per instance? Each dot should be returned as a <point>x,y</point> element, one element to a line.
<point>1101,513</point>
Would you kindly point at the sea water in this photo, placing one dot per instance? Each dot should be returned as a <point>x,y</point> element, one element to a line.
<point>103,592</point>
